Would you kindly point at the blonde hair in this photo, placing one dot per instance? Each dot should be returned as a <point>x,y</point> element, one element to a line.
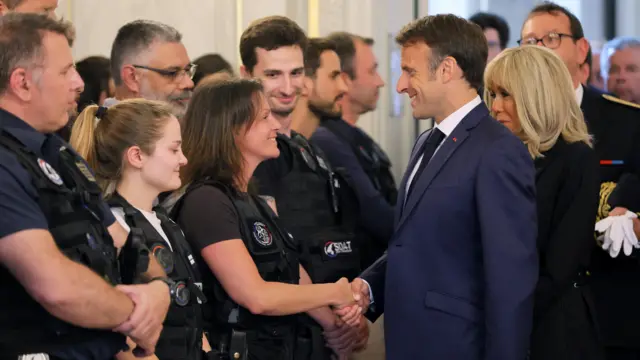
<point>103,142</point>
<point>541,86</point>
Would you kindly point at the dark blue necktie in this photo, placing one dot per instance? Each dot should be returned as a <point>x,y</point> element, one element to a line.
<point>428,149</point>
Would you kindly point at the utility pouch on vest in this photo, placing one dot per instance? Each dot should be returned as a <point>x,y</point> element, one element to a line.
<point>134,257</point>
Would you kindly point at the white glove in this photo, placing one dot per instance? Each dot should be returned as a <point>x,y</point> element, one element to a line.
<point>618,234</point>
<point>630,239</point>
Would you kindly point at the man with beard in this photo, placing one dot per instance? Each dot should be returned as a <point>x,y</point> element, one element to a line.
<point>300,185</point>
<point>148,60</point>
<point>325,87</point>
<point>348,147</point>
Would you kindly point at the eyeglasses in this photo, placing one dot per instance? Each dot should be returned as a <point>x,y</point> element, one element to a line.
<point>173,74</point>
<point>551,40</point>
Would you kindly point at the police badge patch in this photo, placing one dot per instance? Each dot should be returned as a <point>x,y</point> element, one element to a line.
<point>50,173</point>
<point>261,234</point>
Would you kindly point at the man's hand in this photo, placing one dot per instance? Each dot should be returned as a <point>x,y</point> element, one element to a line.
<point>145,323</point>
<point>341,338</point>
<point>618,211</point>
<point>352,314</point>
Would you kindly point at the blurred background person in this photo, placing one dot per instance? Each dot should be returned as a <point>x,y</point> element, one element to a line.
<point>98,82</point>
<point>621,68</point>
<point>210,64</point>
<point>539,106</point>
<point>495,29</point>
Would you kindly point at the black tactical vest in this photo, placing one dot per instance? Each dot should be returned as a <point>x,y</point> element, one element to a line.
<point>181,336</point>
<point>273,251</point>
<point>317,207</point>
<point>71,203</point>
<point>373,160</point>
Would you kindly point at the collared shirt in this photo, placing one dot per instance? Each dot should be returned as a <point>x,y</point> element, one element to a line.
<point>447,126</point>
<point>18,196</point>
<point>579,94</point>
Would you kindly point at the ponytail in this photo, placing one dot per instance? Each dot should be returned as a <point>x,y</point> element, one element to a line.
<point>83,134</point>
<point>102,136</point>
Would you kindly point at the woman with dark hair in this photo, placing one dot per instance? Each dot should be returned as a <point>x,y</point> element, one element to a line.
<point>211,64</point>
<point>251,273</point>
<point>95,71</point>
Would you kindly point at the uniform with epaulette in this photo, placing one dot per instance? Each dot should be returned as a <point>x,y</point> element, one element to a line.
<point>615,126</point>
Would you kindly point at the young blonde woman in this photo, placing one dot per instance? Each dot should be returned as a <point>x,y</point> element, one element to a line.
<point>529,91</point>
<point>135,149</point>
<point>251,272</point>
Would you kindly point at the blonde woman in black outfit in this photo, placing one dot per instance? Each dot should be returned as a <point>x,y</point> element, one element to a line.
<point>529,91</point>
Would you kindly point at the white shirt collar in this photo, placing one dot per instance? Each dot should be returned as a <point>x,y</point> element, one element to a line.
<point>579,94</point>
<point>450,122</point>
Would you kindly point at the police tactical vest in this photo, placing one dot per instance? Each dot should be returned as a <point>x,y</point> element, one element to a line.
<point>71,203</point>
<point>373,160</point>
<point>181,336</point>
<point>267,244</point>
<point>316,209</point>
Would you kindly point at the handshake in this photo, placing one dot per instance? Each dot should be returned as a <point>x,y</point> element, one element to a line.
<point>350,331</point>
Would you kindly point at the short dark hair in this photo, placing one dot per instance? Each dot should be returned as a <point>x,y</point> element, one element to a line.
<point>21,38</point>
<point>492,21</point>
<point>346,49</point>
<point>136,37</point>
<point>315,48</point>
<point>450,35</point>
<point>210,64</point>
<point>269,33</point>
<point>548,7</point>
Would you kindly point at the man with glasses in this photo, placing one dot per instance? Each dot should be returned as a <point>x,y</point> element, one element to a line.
<point>148,60</point>
<point>615,125</point>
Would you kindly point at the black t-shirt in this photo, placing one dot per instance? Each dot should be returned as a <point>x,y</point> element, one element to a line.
<point>269,174</point>
<point>207,216</point>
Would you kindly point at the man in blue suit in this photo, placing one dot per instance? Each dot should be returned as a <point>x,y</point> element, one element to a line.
<point>458,279</point>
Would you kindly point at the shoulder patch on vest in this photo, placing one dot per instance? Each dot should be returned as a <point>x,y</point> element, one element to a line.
<point>261,234</point>
<point>620,101</point>
<point>49,172</point>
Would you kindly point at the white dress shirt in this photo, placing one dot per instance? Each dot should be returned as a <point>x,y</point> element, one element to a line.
<point>446,126</point>
<point>579,94</point>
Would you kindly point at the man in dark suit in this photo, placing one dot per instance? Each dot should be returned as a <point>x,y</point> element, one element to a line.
<point>462,264</point>
<point>615,126</point>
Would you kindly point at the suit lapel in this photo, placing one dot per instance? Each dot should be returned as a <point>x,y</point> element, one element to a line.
<point>446,150</point>
<point>415,155</point>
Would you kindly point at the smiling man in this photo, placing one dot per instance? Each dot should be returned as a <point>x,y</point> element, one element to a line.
<point>148,60</point>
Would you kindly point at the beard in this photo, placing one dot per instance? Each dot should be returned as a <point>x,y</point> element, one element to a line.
<point>324,110</point>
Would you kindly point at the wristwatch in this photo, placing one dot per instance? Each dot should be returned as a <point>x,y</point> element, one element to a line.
<point>178,291</point>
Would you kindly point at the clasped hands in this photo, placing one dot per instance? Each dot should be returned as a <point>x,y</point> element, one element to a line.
<point>151,303</point>
<point>350,332</point>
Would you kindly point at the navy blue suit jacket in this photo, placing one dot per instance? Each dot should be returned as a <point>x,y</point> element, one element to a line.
<point>462,265</point>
